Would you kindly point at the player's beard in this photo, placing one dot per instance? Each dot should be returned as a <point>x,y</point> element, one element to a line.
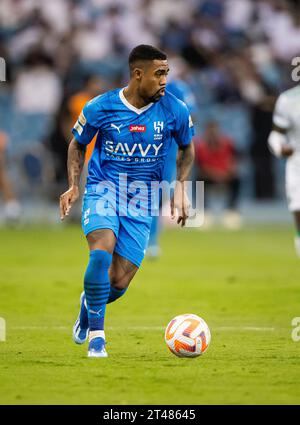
<point>157,96</point>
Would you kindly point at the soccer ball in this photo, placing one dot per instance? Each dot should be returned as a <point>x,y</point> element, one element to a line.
<point>187,335</point>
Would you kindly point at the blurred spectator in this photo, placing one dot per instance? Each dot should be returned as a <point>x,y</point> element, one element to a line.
<point>238,15</point>
<point>281,25</point>
<point>11,208</point>
<point>217,160</point>
<point>37,87</point>
<point>259,95</point>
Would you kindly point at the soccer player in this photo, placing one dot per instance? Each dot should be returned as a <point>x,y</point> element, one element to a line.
<point>284,141</point>
<point>134,126</point>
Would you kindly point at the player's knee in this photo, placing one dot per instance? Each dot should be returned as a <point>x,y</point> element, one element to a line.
<point>119,282</point>
<point>102,239</point>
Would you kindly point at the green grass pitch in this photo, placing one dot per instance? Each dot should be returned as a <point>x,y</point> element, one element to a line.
<point>245,284</point>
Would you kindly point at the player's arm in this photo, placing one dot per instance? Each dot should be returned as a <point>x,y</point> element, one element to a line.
<point>76,154</point>
<point>84,130</point>
<point>278,144</point>
<point>180,200</point>
<point>277,140</point>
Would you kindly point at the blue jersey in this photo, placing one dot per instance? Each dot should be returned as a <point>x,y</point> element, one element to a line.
<point>131,140</point>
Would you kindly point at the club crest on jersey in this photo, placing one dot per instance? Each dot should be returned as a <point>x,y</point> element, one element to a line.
<point>137,128</point>
<point>158,128</point>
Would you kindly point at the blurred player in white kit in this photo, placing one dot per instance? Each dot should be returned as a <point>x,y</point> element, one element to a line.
<point>284,141</point>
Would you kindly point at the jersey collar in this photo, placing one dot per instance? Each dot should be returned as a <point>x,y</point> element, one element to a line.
<point>131,107</point>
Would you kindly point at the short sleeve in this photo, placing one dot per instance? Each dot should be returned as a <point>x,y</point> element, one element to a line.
<point>281,113</point>
<point>184,127</point>
<point>85,128</point>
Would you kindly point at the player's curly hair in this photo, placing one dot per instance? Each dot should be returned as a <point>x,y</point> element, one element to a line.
<point>144,52</point>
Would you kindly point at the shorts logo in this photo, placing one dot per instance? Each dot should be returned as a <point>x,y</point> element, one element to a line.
<point>137,128</point>
<point>86,217</point>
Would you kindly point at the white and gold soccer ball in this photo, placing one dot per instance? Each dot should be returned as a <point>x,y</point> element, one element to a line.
<point>187,335</point>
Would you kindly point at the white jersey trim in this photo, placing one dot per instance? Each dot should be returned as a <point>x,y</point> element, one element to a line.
<point>131,107</point>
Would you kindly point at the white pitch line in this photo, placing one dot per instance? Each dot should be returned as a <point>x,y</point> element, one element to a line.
<point>38,328</point>
<point>144,328</point>
<point>245,328</point>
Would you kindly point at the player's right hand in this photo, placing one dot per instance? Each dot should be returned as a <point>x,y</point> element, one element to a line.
<point>181,203</point>
<point>286,151</point>
<point>66,201</point>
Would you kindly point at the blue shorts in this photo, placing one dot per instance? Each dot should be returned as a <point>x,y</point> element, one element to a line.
<point>132,233</point>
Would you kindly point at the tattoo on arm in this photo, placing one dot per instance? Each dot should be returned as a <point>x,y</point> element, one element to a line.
<point>76,153</point>
<point>185,159</point>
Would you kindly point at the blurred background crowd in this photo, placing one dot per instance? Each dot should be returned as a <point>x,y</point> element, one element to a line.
<point>235,55</point>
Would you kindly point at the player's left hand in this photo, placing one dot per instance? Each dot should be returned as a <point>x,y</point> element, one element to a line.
<point>181,203</point>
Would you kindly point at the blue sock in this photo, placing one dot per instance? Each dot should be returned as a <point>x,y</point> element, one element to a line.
<point>115,293</point>
<point>97,287</point>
